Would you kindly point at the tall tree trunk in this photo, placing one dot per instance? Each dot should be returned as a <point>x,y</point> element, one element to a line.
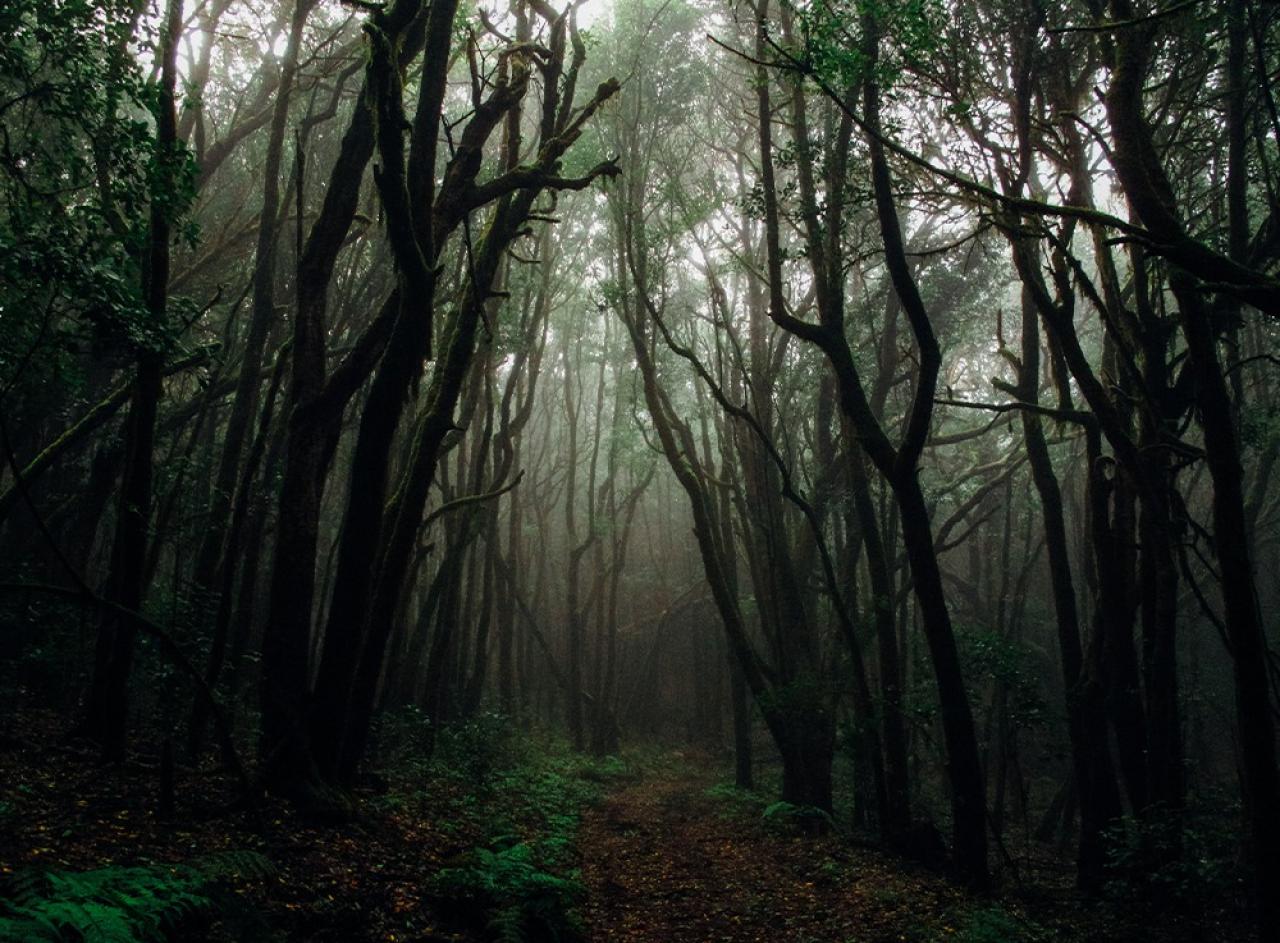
<point>315,410</point>
<point>106,710</point>
<point>896,813</point>
<point>1091,759</point>
<point>412,237</point>
<point>215,560</point>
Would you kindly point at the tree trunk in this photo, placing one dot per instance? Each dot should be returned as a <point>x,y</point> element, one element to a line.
<point>1091,758</point>
<point>106,710</point>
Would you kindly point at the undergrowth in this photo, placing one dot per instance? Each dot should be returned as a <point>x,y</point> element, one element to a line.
<point>995,924</point>
<point>516,801</point>
<point>1181,861</point>
<point>145,904</point>
<point>514,894</point>
<point>734,802</point>
<point>789,816</point>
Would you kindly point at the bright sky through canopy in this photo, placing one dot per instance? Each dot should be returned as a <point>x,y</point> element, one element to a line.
<point>594,11</point>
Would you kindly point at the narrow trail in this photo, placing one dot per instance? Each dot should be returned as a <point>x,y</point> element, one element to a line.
<point>665,861</point>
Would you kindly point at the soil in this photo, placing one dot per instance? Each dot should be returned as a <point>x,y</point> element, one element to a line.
<point>665,861</point>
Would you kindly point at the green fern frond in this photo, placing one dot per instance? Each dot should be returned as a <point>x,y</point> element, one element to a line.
<point>520,900</point>
<point>146,904</point>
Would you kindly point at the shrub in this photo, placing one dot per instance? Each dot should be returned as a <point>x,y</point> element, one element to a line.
<point>1199,862</point>
<point>478,747</point>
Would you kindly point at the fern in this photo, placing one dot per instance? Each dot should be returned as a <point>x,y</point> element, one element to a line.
<point>148,904</point>
<point>806,816</point>
<point>517,899</point>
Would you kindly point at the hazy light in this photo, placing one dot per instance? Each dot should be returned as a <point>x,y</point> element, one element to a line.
<point>594,11</point>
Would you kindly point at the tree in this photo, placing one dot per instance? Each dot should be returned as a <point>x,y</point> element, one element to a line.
<point>898,464</point>
<point>105,717</point>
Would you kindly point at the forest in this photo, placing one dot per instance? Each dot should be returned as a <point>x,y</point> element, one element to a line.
<point>639,470</point>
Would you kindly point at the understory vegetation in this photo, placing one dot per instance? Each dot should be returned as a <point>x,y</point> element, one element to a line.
<point>123,904</point>
<point>486,839</point>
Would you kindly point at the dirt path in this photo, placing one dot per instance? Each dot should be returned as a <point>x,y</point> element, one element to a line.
<point>664,861</point>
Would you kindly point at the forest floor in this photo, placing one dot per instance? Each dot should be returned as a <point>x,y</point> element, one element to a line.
<point>489,842</point>
<point>677,854</point>
<point>678,857</point>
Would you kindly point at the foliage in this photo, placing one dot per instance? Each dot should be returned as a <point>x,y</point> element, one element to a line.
<point>122,904</point>
<point>735,801</point>
<point>481,774</point>
<point>803,697</point>
<point>79,172</point>
<point>805,817</point>
<point>606,769</point>
<point>1259,426</point>
<point>1198,861</point>
<point>518,804</point>
<point>478,747</point>
<point>404,735</point>
<point>31,657</point>
<point>543,798</point>
<point>994,924</point>
<point>987,654</point>
<point>520,899</point>
<point>831,38</point>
